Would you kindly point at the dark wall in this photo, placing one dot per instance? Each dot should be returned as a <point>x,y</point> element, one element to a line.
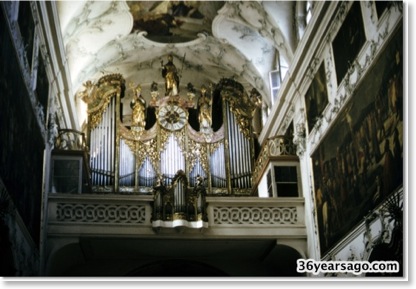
<point>359,163</point>
<point>21,142</point>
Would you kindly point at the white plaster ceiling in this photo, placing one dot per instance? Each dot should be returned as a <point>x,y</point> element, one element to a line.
<point>225,39</point>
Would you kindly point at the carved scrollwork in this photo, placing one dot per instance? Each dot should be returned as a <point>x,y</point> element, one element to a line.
<point>98,96</point>
<point>69,139</point>
<point>254,216</point>
<point>241,105</point>
<point>299,138</point>
<point>197,151</point>
<point>143,149</point>
<point>101,213</point>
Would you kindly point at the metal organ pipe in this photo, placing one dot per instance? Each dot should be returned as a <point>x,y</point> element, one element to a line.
<point>146,173</point>
<point>233,147</point>
<point>110,142</point>
<point>172,158</point>
<point>102,148</point>
<point>244,160</point>
<point>106,148</point>
<point>196,170</point>
<point>179,197</point>
<point>239,151</point>
<point>127,165</point>
<point>112,137</point>
<point>234,151</point>
<point>97,133</point>
<point>230,147</point>
<point>218,168</point>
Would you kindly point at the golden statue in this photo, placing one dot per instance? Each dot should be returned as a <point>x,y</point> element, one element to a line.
<point>205,118</point>
<point>138,105</point>
<point>205,114</point>
<point>170,73</point>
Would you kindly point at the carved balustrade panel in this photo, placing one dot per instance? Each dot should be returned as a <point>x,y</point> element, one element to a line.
<point>255,215</point>
<point>101,213</point>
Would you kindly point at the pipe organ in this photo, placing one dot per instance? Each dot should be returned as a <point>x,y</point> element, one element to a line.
<point>127,157</point>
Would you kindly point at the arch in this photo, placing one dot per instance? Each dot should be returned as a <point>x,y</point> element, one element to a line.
<point>176,268</point>
<point>282,261</point>
<point>64,258</point>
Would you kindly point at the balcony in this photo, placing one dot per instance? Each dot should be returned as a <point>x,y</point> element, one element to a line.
<point>174,218</point>
<point>131,216</point>
<point>176,208</point>
<point>277,148</point>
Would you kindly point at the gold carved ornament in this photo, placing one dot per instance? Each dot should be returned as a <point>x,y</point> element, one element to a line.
<point>98,96</point>
<point>197,151</point>
<point>242,107</point>
<point>144,145</point>
<point>214,146</point>
<point>144,149</point>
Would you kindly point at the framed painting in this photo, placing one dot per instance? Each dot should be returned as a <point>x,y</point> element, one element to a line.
<point>348,41</point>
<point>316,98</point>
<point>360,160</point>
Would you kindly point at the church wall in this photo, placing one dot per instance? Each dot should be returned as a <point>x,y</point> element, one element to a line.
<point>327,90</point>
<point>362,117</point>
<point>359,161</point>
<point>22,131</point>
<point>347,99</point>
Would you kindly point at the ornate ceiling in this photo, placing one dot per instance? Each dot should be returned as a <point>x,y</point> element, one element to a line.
<point>208,40</point>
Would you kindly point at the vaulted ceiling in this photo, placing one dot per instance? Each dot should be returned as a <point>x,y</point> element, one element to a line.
<point>208,40</point>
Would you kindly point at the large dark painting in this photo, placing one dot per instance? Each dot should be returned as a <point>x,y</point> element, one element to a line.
<point>316,98</point>
<point>348,41</point>
<point>42,85</point>
<point>27,28</point>
<point>21,142</point>
<point>360,161</point>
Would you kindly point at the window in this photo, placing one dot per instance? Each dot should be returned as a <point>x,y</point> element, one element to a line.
<point>276,77</point>
<point>269,184</point>
<point>286,179</point>
<point>275,81</point>
<point>66,174</point>
<point>309,8</point>
<point>69,173</point>
<point>280,181</point>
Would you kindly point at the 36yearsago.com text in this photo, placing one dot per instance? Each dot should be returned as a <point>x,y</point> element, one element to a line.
<point>354,267</point>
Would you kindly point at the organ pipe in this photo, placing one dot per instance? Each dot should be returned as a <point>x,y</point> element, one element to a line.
<point>226,146</point>
<point>102,148</point>
<point>238,152</point>
<point>147,174</point>
<point>117,144</point>
<point>208,166</point>
<point>172,159</point>
<point>128,173</point>
<point>217,168</point>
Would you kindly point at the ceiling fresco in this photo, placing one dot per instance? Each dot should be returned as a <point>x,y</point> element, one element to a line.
<point>208,40</point>
<point>173,21</point>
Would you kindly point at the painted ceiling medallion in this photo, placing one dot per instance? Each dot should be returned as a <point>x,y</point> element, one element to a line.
<point>173,21</point>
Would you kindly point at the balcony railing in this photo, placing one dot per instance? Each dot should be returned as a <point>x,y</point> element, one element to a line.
<point>131,215</point>
<point>274,148</point>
